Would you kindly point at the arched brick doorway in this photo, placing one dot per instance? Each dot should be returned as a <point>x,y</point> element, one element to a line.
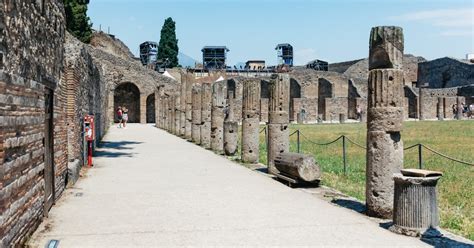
<point>128,95</point>
<point>150,109</point>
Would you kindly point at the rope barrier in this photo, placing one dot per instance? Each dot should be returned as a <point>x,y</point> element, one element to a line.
<point>447,157</point>
<point>320,144</point>
<point>355,143</point>
<point>363,147</point>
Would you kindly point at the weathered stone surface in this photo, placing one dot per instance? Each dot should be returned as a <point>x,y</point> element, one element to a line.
<point>217,116</point>
<point>386,47</point>
<point>206,102</point>
<point>415,205</point>
<point>231,128</point>
<point>384,120</point>
<point>196,113</point>
<point>277,128</point>
<point>250,121</point>
<point>298,166</point>
<point>386,88</point>
<point>188,107</point>
<point>384,158</point>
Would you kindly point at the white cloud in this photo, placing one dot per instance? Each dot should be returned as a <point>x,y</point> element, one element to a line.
<point>304,55</point>
<point>453,22</point>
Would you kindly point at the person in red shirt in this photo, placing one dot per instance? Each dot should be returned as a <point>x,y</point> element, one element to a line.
<point>119,115</point>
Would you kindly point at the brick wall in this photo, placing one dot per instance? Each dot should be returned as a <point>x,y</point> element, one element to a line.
<point>31,45</point>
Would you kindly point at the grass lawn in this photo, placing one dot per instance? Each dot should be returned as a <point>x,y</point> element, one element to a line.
<point>453,138</point>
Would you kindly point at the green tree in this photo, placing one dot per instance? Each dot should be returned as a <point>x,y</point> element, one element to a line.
<point>168,46</point>
<point>77,21</point>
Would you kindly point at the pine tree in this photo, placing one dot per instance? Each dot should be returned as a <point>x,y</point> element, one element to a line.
<point>77,21</point>
<point>168,46</point>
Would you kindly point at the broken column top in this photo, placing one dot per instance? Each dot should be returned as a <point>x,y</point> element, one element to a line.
<point>386,48</point>
<point>251,96</point>
<point>219,94</point>
<point>279,93</point>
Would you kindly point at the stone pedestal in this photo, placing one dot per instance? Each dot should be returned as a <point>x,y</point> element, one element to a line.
<point>231,128</point>
<point>196,128</point>
<point>217,116</point>
<point>206,115</point>
<point>250,120</point>
<point>416,205</point>
<point>278,119</point>
<point>384,119</point>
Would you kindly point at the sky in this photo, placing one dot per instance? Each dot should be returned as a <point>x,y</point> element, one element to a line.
<point>330,30</point>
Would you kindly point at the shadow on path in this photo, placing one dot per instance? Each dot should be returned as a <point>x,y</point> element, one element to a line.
<point>106,149</point>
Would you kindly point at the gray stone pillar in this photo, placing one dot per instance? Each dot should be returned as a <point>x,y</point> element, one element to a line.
<point>278,119</point>
<point>231,128</point>
<point>459,108</point>
<point>206,96</point>
<point>440,109</point>
<point>188,107</point>
<point>384,119</point>
<point>196,128</point>
<point>182,106</point>
<point>250,120</point>
<point>421,105</point>
<point>166,113</point>
<point>217,116</point>
<point>172,114</point>
<point>177,115</point>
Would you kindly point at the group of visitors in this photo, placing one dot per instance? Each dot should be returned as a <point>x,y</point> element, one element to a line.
<point>467,110</point>
<point>122,114</point>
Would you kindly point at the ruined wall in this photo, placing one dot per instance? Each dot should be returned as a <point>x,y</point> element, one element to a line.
<point>110,44</point>
<point>31,48</point>
<point>446,73</point>
<point>85,95</point>
<point>429,102</point>
<point>116,71</point>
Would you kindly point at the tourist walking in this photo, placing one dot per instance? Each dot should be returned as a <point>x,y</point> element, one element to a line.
<point>125,117</point>
<point>119,116</point>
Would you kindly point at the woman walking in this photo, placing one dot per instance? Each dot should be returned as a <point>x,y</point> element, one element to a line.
<point>125,117</point>
<point>119,116</point>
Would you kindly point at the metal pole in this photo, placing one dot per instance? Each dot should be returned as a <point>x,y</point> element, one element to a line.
<point>420,156</point>
<point>298,140</point>
<point>344,153</point>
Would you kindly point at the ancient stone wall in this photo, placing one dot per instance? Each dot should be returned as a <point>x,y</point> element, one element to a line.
<point>446,73</point>
<point>31,55</point>
<point>85,95</point>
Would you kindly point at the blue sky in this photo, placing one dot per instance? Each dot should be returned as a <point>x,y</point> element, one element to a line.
<point>332,30</point>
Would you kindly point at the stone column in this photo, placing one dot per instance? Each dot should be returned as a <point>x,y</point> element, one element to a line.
<point>459,108</point>
<point>206,96</point>
<point>421,105</point>
<point>182,106</point>
<point>196,117</point>
<point>231,128</point>
<point>143,108</point>
<point>172,112</point>
<point>157,107</point>
<point>165,113</point>
<point>384,119</point>
<point>217,116</point>
<point>177,115</point>
<point>250,120</point>
<point>440,109</point>
<point>188,107</point>
<point>278,119</point>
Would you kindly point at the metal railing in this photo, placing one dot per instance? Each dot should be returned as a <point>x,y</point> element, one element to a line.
<point>346,140</point>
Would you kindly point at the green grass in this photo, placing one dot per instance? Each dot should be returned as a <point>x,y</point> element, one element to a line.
<point>453,138</point>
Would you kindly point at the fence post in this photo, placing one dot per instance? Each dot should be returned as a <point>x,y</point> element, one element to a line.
<point>298,140</point>
<point>344,153</point>
<point>420,156</point>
